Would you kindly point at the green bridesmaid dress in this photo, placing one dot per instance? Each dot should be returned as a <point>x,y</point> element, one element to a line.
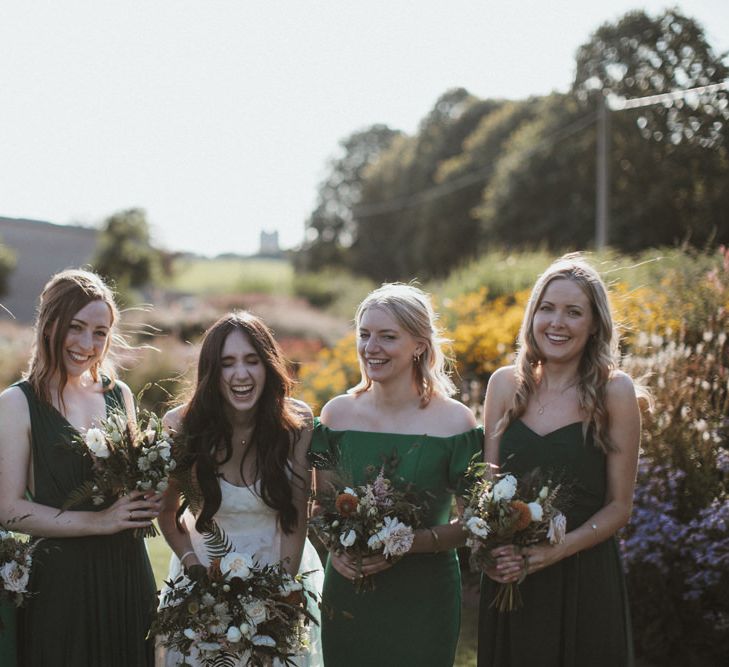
<point>412,617</point>
<point>93,597</point>
<point>575,612</point>
<point>8,630</point>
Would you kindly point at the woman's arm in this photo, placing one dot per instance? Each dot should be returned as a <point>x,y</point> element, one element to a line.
<point>40,520</point>
<point>177,538</point>
<point>292,544</point>
<point>622,462</point>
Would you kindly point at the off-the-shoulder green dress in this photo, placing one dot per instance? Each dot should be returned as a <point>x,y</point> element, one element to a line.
<point>574,612</point>
<point>412,617</point>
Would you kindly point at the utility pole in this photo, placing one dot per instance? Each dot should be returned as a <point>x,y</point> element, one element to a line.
<point>602,203</point>
<point>602,214</point>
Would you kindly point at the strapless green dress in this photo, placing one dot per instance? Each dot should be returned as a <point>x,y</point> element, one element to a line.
<point>412,617</point>
<point>93,596</point>
<point>575,613</point>
<point>8,631</point>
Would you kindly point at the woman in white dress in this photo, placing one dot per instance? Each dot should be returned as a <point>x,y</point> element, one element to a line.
<point>249,441</point>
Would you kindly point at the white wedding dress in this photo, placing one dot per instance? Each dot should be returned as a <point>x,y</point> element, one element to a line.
<point>252,527</point>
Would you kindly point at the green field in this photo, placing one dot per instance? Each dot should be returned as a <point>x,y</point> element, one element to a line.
<point>201,276</point>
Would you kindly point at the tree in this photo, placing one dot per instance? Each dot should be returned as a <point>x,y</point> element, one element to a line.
<point>669,166</point>
<point>639,56</point>
<point>670,186</point>
<point>425,218</point>
<point>542,191</point>
<point>8,262</point>
<point>331,228</point>
<point>125,253</point>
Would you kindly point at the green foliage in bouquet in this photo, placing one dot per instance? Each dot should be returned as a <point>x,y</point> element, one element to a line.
<point>126,457</point>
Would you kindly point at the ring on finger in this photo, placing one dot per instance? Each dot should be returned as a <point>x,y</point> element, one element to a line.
<point>130,515</point>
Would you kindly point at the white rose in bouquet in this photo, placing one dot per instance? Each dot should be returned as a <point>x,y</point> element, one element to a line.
<point>535,509</point>
<point>96,442</point>
<point>505,488</point>
<point>478,526</point>
<point>238,566</point>
<point>348,539</point>
<point>256,611</point>
<point>14,577</point>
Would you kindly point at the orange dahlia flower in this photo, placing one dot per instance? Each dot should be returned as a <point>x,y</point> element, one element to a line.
<point>346,504</point>
<point>522,514</point>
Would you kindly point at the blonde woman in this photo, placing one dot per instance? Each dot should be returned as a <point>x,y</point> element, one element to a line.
<point>401,411</point>
<point>566,409</point>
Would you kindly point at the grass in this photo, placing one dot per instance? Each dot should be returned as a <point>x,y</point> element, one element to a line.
<point>201,276</point>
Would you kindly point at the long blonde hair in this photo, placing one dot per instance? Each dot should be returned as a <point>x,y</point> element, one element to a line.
<point>413,311</point>
<point>599,358</point>
<point>63,296</point>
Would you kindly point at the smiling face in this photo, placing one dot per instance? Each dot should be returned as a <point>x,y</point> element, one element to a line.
<point>563,321</point>
<point>385,348</point>
<point>87,338</point>
<point>242,372</point>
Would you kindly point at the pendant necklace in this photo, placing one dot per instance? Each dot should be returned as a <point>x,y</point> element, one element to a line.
<point>543,406</point>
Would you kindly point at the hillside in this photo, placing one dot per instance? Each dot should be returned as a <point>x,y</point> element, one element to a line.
<point>41,249</point>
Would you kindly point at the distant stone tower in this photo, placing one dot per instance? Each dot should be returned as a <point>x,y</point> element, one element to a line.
<point>269,244</point>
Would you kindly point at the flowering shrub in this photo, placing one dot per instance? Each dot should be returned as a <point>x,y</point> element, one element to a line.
<point>484,330</point>
<point>332,373</point>
<point>676,547</point>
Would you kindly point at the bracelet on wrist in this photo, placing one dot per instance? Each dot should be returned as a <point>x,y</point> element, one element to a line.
<point>185,555</point>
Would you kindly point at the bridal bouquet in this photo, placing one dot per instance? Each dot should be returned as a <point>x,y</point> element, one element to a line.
<point>374,518</point>
<point>503,510</point>
<point>16,557</point>
<point>239,612</point>
<point>126,457</point>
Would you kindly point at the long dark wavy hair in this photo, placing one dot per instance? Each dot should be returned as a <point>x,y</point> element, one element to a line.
<point>207,431</point>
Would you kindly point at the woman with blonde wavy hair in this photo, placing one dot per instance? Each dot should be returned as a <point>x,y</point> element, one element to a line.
<point>401,412</point>
<point>565,409</point>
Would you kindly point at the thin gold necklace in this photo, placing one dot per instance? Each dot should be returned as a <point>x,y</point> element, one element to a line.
<point>543,406</point>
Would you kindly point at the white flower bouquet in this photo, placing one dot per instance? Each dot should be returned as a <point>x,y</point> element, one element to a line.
<point>499,509</point>
<point>16,558</point>
<point>365,520</point>
<point>238,612</point>
<point>126,457</point>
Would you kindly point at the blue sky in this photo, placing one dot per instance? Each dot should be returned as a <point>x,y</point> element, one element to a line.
<point>218,116</point>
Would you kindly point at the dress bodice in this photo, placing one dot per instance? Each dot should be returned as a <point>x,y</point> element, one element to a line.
<point>250,525</point>
<point>433,465</point>
<point>567,455</point>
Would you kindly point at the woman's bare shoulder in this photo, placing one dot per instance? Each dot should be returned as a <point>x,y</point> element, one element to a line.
<point>302,410</point>
<point>339,412</point>
<point>454,416</point>
<point>172,419</point>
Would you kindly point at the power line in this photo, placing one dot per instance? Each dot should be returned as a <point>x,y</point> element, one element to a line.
<point>621,104</point>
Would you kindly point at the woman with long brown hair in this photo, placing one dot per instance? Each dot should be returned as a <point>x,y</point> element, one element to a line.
<point>247,440</point>
<point>92,584</point>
